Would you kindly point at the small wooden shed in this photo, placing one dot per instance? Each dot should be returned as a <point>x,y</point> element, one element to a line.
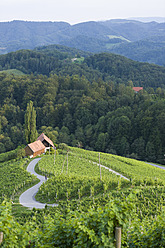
<point>45,140</point>
<point>34,149</point>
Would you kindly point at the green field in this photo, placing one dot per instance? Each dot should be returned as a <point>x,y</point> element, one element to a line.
<point>13,71</point>
<point>78,60</point>
<point>118,37</point>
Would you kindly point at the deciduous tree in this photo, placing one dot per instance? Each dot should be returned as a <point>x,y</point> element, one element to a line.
<point>30,123</point>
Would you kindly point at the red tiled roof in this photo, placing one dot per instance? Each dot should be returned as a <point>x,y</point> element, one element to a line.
<point>36,146</point>
<point>137,89</point>
<point>44,137</point>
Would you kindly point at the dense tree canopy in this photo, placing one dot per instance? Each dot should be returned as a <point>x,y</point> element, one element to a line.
<point>99,115</point>
<point>108,67</point>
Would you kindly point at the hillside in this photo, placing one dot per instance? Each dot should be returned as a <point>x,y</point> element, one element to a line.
<point>58,59</point>
<point>124,70</point>
<point>107,36</point>
<point>20,34</point>
<point>135,30</point>
<point>151,51</point>
<point>90,200</point>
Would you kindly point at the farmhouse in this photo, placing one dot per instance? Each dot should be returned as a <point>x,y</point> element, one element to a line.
<point>137,89</point>
<point>40,146</point>
<point>34,149</point>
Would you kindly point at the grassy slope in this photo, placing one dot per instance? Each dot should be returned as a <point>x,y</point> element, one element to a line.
<point>13,71</point>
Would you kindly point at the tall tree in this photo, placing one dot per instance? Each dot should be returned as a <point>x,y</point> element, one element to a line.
<point>30,123</point>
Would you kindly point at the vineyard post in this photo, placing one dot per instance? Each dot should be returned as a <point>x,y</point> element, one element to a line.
<point>118,237</point>
<point>100,167</point>
<point>79,194</point>
<point>67,163</point>
<point>1,237</point>
<point>63,164</point>
<point>54,155</point>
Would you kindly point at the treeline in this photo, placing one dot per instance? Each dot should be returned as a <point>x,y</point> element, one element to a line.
<point>62,52</point>
<point>108,67</point>
<point>98,115</point>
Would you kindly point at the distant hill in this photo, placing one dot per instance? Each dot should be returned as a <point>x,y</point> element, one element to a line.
<point>135,30</point>
<point>124,37</point>
<point>18,35</point>
<point>146,40</point>
<point>148,19</point>
<point>144,50</point>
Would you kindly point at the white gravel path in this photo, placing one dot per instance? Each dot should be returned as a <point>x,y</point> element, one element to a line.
<point>158,166</point>
<point>27,199</point>
<point>118,174</point>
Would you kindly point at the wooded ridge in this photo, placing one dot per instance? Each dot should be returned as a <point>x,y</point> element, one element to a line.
<point>58,60</point>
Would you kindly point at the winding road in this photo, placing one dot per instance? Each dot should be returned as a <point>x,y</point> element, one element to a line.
<point>27,199</point>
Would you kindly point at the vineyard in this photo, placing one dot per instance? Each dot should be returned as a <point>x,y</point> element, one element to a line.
<point>81,178</point>
<point>92,201</point>
<point>131,168</point>
<point>13,178</point>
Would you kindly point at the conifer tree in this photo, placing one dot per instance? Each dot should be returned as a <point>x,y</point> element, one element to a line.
<point>30,123</point>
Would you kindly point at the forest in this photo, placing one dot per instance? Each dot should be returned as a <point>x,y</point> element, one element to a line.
<point>57,59</point>
<point>90,104</point>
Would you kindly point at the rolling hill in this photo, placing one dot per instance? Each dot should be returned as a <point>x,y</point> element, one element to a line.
<point>124,37</point>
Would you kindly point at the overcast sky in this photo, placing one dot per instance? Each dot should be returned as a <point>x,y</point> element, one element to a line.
<point>75,11</point>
